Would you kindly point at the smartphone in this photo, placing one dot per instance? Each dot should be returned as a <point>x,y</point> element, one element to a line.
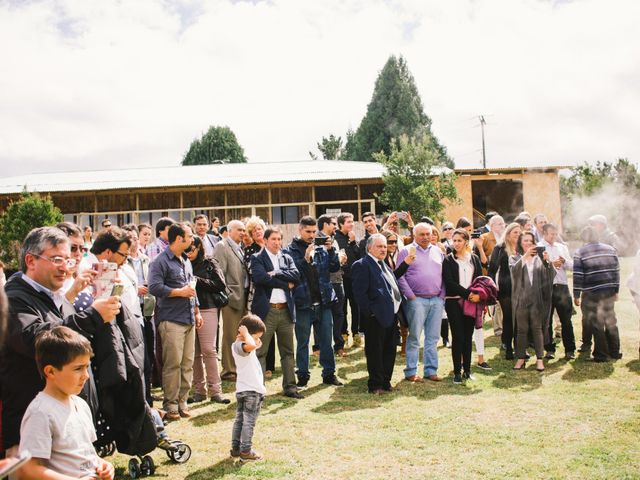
<point>402,215</point>
<point>15,463</point>
<point>117,290</point>
<point>319,241</point>
<point>476,234</point>
<point>540,250</point>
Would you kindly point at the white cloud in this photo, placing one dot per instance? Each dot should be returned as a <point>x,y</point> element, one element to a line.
<point>86,84</point>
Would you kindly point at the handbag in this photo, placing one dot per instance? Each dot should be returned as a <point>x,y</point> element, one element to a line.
<point>220,299</point>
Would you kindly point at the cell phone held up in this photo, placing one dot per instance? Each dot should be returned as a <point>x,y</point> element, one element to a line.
<point>540,251</point>
<point>319,241</point>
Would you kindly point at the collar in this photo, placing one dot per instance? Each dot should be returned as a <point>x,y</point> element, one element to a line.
<point>375,259</point>
<point>36,286</point>
<point>418,247</point>
<point>233,244</point>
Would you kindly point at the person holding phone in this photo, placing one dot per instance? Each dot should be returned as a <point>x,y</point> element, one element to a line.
<point>532,287</point>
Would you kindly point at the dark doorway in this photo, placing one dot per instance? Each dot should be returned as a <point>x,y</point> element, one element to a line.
<point>502,196</point>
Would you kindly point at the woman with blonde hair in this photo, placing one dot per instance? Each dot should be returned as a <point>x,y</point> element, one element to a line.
<point>500,272</point>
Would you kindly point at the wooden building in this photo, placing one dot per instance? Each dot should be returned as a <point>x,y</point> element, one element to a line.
<point>279,192</point>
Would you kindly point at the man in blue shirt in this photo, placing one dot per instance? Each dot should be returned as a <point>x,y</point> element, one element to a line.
<point>170,277</point>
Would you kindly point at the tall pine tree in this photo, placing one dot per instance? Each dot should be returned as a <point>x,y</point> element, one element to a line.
<point>395,109</point>
<point>218,145</point>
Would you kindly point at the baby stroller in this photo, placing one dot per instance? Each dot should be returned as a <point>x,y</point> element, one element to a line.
<point>142,464</point>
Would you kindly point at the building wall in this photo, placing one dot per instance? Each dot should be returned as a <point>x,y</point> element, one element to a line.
<point>542,195</point>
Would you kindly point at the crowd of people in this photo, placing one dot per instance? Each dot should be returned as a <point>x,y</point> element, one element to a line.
<point>324,293</point>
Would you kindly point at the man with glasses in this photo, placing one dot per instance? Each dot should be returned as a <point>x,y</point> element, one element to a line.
<point>106,225</point>
<point>35,305</point>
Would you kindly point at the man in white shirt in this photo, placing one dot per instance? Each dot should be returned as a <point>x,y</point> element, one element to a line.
<point>274,275</point>
<point>561,300</point>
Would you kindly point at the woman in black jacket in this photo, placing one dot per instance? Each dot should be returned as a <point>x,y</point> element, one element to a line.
<point>500,273</point>
<point>459,269</point>
<point>210,280</point>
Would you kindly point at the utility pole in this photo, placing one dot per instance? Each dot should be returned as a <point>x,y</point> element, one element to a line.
<point>484,154</point>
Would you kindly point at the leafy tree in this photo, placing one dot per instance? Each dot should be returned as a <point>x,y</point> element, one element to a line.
<point>415,179</point>
<point>20,217</point>
<point>331,148</point>
<point>612,189</point>
<point>218,145</point>
<point>395,109</point>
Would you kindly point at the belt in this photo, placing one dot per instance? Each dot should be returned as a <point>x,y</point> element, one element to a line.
<point>278,306</point>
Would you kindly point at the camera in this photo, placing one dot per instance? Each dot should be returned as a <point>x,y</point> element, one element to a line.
<point>319,241</point>
<point>476,234</point>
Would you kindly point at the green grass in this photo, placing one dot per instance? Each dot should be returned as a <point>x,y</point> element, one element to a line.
<point>577,420</point>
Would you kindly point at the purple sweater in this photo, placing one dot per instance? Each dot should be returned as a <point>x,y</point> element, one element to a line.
<point>424,276</point>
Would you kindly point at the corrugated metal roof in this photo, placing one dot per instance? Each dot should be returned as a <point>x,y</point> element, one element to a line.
<point>179,176</point>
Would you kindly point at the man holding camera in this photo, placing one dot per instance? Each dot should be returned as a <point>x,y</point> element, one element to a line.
<point>315,257</point>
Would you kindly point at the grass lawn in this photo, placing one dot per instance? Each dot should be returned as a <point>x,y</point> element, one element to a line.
<point>576,420</point>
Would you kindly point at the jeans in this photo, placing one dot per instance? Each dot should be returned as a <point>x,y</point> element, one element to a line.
<point>423,314</point>
<point>247,412</point>
<point>305,317</point>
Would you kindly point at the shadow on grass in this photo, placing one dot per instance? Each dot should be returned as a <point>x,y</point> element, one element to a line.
<point>238,469</point>
<point>583,370</point>
<point>219,470</point>
<point>634,366</point>
<point>527,379</point>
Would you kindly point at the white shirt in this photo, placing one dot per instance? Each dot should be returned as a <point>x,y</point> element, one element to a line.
<point>207,244</point>
<point>465,269</point>
<point>556,251</point>
<point>528,265</point>
<point>277,294</point>
<point>62,435</point>
<point>248,369</point>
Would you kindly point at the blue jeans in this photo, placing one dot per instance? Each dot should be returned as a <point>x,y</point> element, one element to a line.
<point>247,412</point>
<point>305,317</point>
<point>423,314</point>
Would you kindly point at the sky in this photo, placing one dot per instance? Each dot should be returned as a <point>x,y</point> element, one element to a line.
<point>95,84</point>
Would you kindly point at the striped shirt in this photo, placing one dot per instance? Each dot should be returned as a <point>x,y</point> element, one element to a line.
<point>596,269</point>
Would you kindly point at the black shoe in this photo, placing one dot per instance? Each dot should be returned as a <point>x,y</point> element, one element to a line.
<point>457,379</point>
<point>468,376</point>
<point>585,349</point>
<point>191,400</point>
<point>549,356</point>
<point>570,356</point>
<point>302,382</point>
<point>293,394</point>
<point>333,380</point>
<point>509,355</point>
<point>527,356</point>
<point>617,356</point>
<point>484,366</point>
<point>599,360</point>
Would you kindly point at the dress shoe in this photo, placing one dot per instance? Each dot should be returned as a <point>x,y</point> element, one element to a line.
<point>585,349</point>
<point>414,379</point>
<point>172,416</point>
<point>570,356</point>
<point>294,394</point>
<point>616,356</point>
<point>333,380</point>
<point>434,378</point>
<point>185,413</point>
<point>378,391</point>
<point>198,397</point>
<point>549,356</point>
<point>229,377</point>
<point>341,353</point>
<point>509,355</point>
<point>302,382</point>
<point>234,452</point>
<point>218,398</point>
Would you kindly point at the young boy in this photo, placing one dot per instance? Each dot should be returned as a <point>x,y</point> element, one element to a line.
<point>250,388</point>
<point>57,428</point>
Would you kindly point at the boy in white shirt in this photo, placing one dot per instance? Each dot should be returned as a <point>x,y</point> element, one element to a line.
<point>57,428</point>
<point>250,389</point>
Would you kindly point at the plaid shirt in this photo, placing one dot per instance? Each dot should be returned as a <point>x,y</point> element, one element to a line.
<point>158,246</point>
<point>596,269</point>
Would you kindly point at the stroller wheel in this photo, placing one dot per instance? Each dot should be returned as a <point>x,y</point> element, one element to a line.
<point>182,453</point>
<point>147,466</point>
<point>111,448</point>
<point>134,468</point>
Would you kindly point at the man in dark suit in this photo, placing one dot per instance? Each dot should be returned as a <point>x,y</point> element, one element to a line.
<point>201,224</point>
<point>378,297</point>
<point>274,274</point>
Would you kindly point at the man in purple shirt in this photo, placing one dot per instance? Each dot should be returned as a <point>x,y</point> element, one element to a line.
<point>161,242</point>
<point>423,288</point>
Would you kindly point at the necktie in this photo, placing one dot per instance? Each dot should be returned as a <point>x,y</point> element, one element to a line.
<point>391,284</point>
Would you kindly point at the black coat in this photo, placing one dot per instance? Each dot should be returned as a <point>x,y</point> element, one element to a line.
<point>500,261</point>
<point>117,367</point>
<point>451,275</point>
<point>210,280</point>
<point>30,313</point>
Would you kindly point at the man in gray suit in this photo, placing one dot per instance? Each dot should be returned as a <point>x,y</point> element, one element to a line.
<point>228,253</point>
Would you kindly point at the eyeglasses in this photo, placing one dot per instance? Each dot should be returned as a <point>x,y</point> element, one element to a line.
<point>77,248</point>
<point>123,255</point>
<point>392,242</point>
<point>107,225</point>
<point>448,228</point>
<point>59,261</point>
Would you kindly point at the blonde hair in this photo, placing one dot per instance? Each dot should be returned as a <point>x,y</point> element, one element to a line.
<point>252,223</point>
<point>511,250</point>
